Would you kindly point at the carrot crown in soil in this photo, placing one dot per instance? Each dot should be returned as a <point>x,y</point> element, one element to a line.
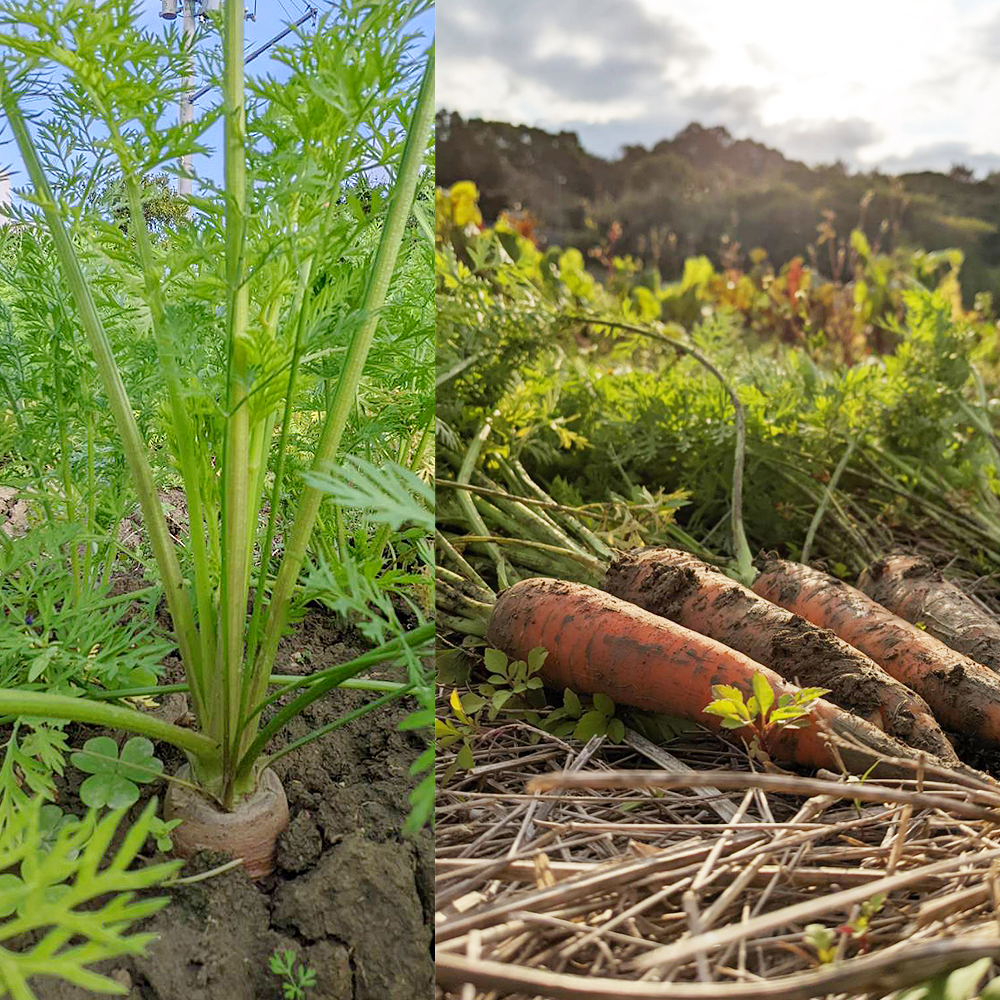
<point>269,295</point>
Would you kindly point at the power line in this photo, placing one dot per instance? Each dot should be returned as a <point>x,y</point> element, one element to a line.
<point>311,13</point>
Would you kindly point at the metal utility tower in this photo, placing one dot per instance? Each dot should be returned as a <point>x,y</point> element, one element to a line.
<point>186,109</point>
<point>168,11</point>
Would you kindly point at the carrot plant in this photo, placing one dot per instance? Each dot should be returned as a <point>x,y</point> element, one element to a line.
<point>258,330</point>
<point>52,870</point>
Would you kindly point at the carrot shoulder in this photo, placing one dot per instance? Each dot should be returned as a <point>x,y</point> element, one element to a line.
<point>964,695</point>
<point>912,588</point>
<point>680,587</point>
<point>597,643</point>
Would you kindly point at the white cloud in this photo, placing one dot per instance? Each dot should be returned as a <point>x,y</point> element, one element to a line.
<point>872,82</point>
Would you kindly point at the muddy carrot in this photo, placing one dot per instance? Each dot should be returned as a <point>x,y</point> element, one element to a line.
<point>912,588</point>
<point>600,644</point>
<point>964,695</point>
<point>678,586</point>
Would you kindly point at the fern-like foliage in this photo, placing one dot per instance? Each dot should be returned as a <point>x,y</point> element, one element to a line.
<point>391,494</point>
<point>394,496</point>
<point>51,900</point>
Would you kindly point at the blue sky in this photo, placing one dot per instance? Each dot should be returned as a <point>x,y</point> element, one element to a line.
<point>272,16</point>
<point>894,84</point>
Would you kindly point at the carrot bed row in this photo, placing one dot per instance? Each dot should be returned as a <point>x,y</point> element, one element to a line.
<point>667,629</point>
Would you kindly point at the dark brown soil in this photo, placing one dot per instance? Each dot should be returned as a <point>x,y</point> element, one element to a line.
<point>351,897</point>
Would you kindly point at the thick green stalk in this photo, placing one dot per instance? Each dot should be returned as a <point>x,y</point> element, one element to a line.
<point>132,443</point>
<point>236,470</point>
<point>465,501</point>
<point>91,497</point>
<point>301,312</point>
<point>190,471</point>
<point>347,387</point>
<point>98,713</point>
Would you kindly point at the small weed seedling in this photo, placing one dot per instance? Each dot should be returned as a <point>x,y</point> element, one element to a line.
<point>823,940</point>
<point>114,779</point>
<point>296,977</point>
<point>511,678</point>
<point>573,720</point>
<point>765,716</point>
<point>462,729</point>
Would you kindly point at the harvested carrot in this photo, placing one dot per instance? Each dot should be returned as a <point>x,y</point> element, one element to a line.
<point>600,644</point>
<point>678,586</point>
<point>912,588</point>
<point>964,695</point>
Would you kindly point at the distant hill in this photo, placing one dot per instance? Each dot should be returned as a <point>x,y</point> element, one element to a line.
<point>704,192</point>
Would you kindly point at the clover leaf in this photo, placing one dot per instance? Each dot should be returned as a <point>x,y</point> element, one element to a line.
<point>114,779</point>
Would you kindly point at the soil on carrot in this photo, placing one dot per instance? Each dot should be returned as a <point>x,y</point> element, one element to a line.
<point>350,896</point>
<point>798,651</point>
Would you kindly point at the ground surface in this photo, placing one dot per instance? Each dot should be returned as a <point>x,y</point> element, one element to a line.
<point>350,896</point>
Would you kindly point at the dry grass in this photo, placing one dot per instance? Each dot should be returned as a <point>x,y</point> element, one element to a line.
<point>661,886</point>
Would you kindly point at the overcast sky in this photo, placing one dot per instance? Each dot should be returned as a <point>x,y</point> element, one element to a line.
<point>894,84</point>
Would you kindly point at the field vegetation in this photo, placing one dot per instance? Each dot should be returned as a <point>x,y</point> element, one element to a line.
<point>215,421</point>
<point>666,450</point>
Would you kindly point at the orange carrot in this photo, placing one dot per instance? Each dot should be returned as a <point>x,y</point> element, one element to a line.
<point>599,644</point>
<point>912,588</point>
<point>964,695</point>
<point>682,588</point>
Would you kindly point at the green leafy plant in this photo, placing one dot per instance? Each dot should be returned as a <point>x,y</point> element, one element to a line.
<point>510,679</point>
<point>658,727</point>
<point>114,778</point>
<point>822,940</point>
<point>53,639</point>
<point>33,754</point>
<point>574,719</point>
<point>513,687</point>
<point>265,247</point>
<point>160,830</point>
<point>297,978</point>
<point>461,729</point>
<point>73,911</point>
<point>960,984</point>
<point>761,713</point>
<point>857,929</point>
